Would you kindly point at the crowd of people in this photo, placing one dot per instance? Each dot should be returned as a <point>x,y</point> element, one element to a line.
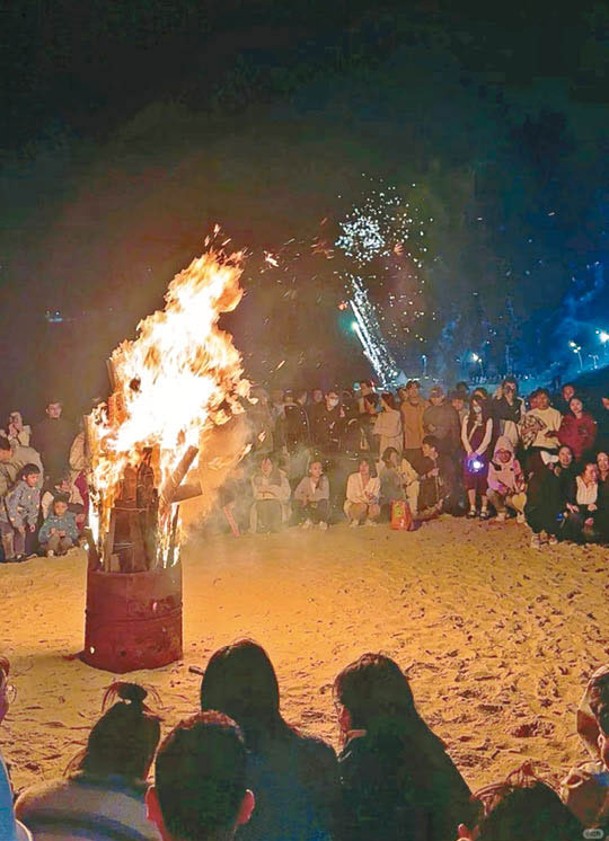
<point>236,767</point>
<point>405,458</point>
<point>43,486</point>
<point>357,455</point>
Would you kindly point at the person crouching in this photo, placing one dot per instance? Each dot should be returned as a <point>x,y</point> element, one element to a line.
<point>363,494</point>
<point>506,484</point>
<point>312,497</point>
<point>59,531</point>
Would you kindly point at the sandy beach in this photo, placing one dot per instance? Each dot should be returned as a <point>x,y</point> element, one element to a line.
<point>498,639</point>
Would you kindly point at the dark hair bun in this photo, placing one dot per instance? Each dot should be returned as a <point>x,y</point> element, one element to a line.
<point>131,692</point>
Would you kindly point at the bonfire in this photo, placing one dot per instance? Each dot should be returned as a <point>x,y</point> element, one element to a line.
<point>173,387</point>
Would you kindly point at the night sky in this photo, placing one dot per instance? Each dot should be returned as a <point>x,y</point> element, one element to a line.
<point>129,129</point>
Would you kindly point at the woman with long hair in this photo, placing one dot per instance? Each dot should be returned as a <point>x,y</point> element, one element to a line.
<point>397,781</point>
<point>476,434</point>
<point>294,776</point>
<point>102,795</point>
<point>578,429</point>
<point>388,424</point>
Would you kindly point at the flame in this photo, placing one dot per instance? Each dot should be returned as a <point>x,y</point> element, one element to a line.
<point>180,378</point>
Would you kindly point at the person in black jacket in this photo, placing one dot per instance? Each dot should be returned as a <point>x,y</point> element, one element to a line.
<point>397,780</point>
<point>294,776</point>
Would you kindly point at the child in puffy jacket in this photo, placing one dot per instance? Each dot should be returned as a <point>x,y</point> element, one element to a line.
<point>59,531</point>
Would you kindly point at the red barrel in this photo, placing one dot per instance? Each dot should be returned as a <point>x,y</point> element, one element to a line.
<point>133,620</point>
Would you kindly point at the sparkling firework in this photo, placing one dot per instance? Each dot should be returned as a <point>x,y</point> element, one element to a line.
<point>385,238</point>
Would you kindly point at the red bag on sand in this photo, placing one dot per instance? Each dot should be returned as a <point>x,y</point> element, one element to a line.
<point>401,515</point>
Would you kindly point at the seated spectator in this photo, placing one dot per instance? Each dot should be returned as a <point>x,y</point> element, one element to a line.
<point>200,777</point>
<point>602,518</point>
<point>476,434</point>
<point>580,517</point>
<point>523,807</point>
<point>578,429</point>
<point>506,483</point>
<point>271,498</point>
<point>59,532</point>
<point>388,424</point>
<point>19,513</point>
<point>437,481</point>
<point>312,498</point>
<point>585,789</point>
<point>363,495</point>
<point>399,482</point>
<point>550,494</point>
<point>17,432</point>
<point>7,692</point>
<point>11,829</point>
<point>102,796</point>
<point>397,781</point>
<point>294,776</point>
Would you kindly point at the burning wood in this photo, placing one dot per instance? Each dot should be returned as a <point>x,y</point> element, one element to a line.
<point>171,387</point>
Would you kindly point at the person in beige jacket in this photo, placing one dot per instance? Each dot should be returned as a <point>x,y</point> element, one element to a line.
<point>412,409</point>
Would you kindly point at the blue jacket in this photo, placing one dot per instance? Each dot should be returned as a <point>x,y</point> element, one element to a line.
<point>66,523</point>
<point>21,505</point>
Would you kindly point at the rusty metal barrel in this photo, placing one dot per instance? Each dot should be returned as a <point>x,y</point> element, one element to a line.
<point>133,620</point>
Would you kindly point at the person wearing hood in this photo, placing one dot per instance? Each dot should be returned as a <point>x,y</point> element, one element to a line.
<point>506,486</point>
<point>585,789</point>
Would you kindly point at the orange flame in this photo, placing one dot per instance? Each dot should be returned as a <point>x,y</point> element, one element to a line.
<point>178,379</point>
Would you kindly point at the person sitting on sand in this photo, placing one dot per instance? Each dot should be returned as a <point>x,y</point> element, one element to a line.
<point>363,495</point>
<point>293,776</point>
<point>437,479</point>
<point>102,796</point>
<point>397,781</point>
<point>585,789</point>
<point>506,483</point>
<point>399,482</point>
<point>59,532</point>
<point>312,497</point>
<point>551,492</point>
<point>199,791</point>
<point>522,807</point>
<point>271,498</point>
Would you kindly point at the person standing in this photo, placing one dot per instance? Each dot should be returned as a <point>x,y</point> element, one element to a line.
<point>412,410</point>
<point>53,437</point>
<point>476,434</point>
<point>388,424</point>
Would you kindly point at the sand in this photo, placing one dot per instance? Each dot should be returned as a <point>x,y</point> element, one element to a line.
<point>498,639</point>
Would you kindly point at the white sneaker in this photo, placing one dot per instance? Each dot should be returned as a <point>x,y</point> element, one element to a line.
<point>50,554</point>
<point>323,525</point>
<point>370,523</point>
<point>353,524</point>
<point>500,518</point>
<point>535,541</point>
<point>307,524</point>
<point>520,519</point>
<point>553,540</point>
